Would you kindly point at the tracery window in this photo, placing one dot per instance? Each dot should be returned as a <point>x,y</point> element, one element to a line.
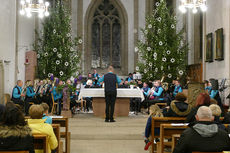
<point>106,36</point>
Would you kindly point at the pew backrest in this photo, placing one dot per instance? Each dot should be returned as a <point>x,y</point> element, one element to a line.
<point>14,151</point>
<point>41,142</point>
<point>56,129</point>
<point>167,130</point>
<point>157,121</point>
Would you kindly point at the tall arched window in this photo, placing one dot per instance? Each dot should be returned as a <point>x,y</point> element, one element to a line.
<point>106,36</point>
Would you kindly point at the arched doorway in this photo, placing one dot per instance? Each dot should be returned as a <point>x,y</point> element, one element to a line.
<point>106,41</point>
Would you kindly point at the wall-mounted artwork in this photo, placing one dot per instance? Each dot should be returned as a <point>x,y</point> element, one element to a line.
<point>209,52</point>
<point>219,45</point>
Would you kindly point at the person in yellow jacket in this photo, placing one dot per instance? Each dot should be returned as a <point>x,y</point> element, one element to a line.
<point>38,126</point>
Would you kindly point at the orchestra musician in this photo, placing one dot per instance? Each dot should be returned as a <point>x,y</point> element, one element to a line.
<point>17,94</point>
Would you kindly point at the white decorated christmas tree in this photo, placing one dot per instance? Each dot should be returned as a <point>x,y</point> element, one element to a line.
<point>57,50</point>
<point>163,51</point>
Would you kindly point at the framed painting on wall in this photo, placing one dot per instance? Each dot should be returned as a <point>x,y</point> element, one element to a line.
<point>209,53</point>
<point>219,45</point>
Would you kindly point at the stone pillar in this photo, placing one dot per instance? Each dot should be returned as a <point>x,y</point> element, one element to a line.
<point>194,89</point>
<point>1,82</point>
<point>30,65</point>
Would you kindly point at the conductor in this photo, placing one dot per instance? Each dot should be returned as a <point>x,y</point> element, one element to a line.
<point>110,80</point>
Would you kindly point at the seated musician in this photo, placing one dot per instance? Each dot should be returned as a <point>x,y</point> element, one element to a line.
<point>57,95</point>
<point>207,86</point>
<point>89,84</point>
<point>140,84</point>
<point>17,94</point>
<point>203,135</point>
<point>178,107</point>
<point>96,83</point>
<point>36,123</point>
<point>158,92</point>
<point>123,84</point>
<point>39,91</point>
<point>15,134</point>
<point>177,88</point>
<point>30,96</point>
<point>145,90</point>
<point>96,75</point>
<point>130,78</point>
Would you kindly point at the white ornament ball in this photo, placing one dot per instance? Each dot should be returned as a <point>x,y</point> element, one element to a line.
<point>137,68</point>
<point>159,19</point>
<point>172,60</point>
<point>164,59</point>
<point>49,75</point>
<point>168,52</point>
<point>150,64</point>
<point>160,43</point>
<point>169,75</point>
<point>159,31</point>
<point>54,31</point>
<point>38,56</point>
<point>68,34</point>
<point>61,73</point>
<point>55,50</point>
<point>80,41</point>
<point>172,26</point>
<point>145,71</point>
<point>148,48</point>
<point>155,54</point>
<point>150,26</point>
<point>57,62</point>
<point>155,58</point>
<point>146,31</point>
<point>181,72</point>
<point>157,3</point>
<point>66,64</point>
<point>156,69</point>
<point>46,54</point>
<point>175,17</point>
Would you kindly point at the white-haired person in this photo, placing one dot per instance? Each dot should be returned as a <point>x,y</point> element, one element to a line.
<point>203,136</point>
<point>216,112</point>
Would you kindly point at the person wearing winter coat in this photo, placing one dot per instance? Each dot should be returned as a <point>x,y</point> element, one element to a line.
<point>202,135</point>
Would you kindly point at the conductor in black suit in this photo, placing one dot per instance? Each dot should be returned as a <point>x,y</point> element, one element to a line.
<point>110,80</point>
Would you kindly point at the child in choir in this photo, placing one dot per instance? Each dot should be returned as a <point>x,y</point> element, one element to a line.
<point>45,113</point>
<point>177,88</point>
<point>96,75</point>
<point>208,86</point>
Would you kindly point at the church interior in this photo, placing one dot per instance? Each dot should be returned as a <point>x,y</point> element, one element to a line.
<point>109,76</point>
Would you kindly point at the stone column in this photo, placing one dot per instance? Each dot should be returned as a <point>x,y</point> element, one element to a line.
<point>194,89</point>
<point>1,82</point>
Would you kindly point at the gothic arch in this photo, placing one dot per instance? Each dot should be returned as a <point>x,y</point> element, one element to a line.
<point>89,19</point>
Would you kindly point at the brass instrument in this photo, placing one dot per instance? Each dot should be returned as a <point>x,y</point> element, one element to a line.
<point>164,85</point>
<point>27,84</point>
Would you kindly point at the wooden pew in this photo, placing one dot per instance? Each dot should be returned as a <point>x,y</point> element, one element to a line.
<point>14,151</point>
<point>157,121</point>
<point>64,122</point>
<point>41,142</point>
<point>166,131</point>
<point>56,128</point>
<point>175,138</point>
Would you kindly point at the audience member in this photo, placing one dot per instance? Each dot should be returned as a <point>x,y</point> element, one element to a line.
<point>45,113</point>
<point>155,111</point>
<point>203,99</point>
<point>36,123</point>
<point>178,107</point>
<point>204,136</point>
<point>216,112</point>
<point>15,134</point>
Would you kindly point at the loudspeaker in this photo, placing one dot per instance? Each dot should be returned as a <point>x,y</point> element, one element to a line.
<point>215,84</point>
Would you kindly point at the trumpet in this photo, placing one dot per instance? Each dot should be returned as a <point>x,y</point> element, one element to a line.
<point>24,90</point>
